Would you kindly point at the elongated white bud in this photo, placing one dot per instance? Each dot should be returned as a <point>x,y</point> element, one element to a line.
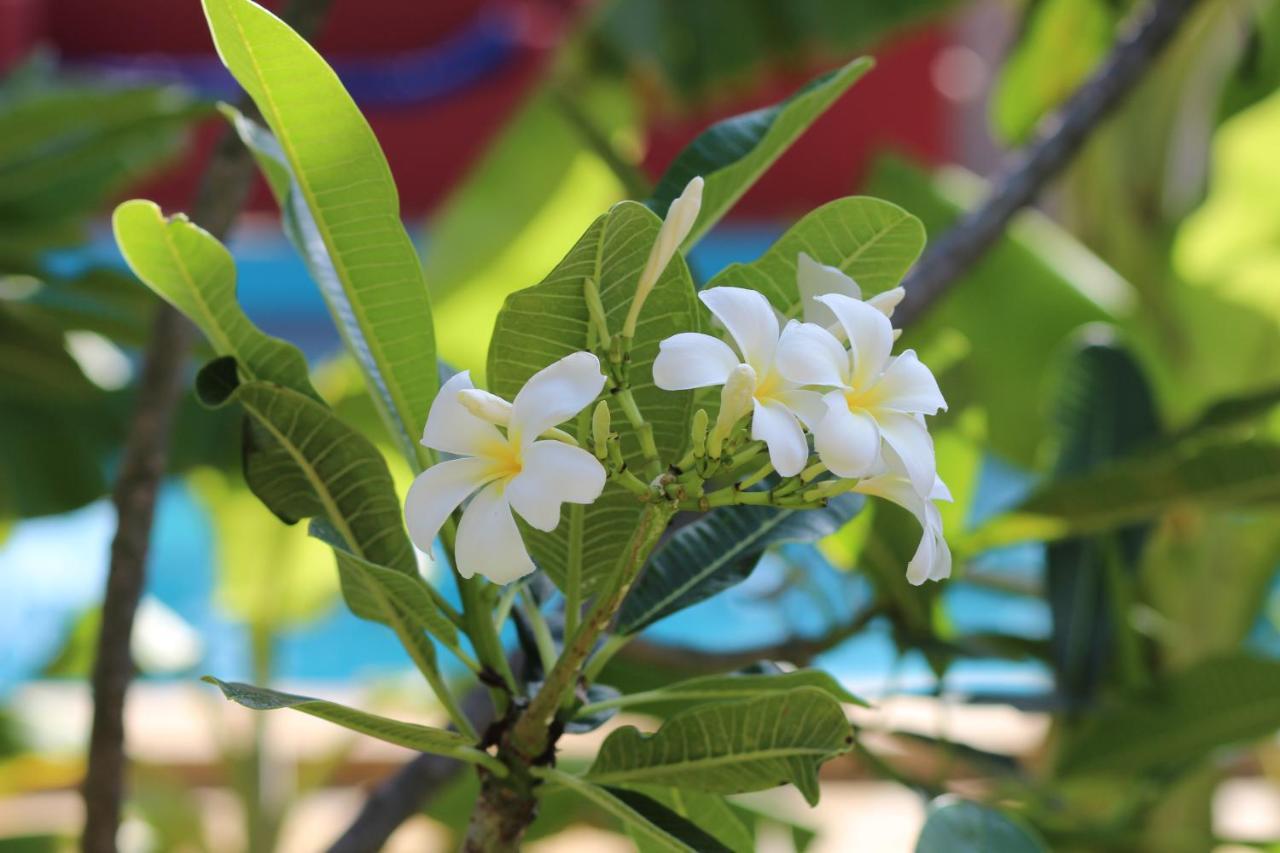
<point>681,215</point>
<point>486,406</point>
<point>886,302</point>
<point>736,399</point>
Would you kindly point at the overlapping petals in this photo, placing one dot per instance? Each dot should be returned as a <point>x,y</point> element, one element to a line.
<point>932,559</point>
<point>504,472</point>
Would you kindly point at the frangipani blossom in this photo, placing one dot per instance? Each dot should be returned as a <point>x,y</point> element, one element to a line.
<point>932,560</point>
<point>502,473</point>
<point>815,279</point>
<point>778,406</point>
<point>877,398</point>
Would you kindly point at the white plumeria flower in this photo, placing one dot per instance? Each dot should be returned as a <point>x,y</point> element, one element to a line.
<point>515,471</point>
<point>932,560</point>
<point>815,280</point>
<point>877,397</point>
<point>778,406</point>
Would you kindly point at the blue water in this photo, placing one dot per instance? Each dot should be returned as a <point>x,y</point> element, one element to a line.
<point>52,569</point>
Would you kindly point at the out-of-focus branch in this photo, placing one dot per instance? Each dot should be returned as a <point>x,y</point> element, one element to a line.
<point>1034,166</point>
<point>223,190</point>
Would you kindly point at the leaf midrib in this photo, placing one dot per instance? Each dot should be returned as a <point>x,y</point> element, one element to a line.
<point>710,761</point>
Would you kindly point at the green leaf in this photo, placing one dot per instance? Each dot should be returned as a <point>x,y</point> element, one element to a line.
<point>732,747</point>
<point>959,826</point>
<point>543,323</point>
<point>191,270</point>
<point>1063,41</point>
<point>410,735</point>
<point>732,154</point>
<point>717,688</point>
<point>719,550</point>
<point>872,241</point>
<point>1213,473</point>
<point>316,465</point>
<point>340,208</point>
<point>712,814</point>
<point>653,825</point>
<point>380,594</point>
<point>1220,701</point>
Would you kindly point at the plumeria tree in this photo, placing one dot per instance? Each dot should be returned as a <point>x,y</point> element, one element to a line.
<point>620,400</point>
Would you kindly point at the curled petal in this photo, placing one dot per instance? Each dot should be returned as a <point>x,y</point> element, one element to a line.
<point>750,320</point>
<point>452,427</point>
<point>870,336</point>
<point>910,443</point>
<point>847,441</point>
<point>489,542</point>
<point>553,395</point>
<point>888,301</point>
<point>932,559</point>
<point>774,424</point>
<point>810,355</point>
<point>813,280</point>
<point>486,406</point>
<point>437,491</point>
<point>908,386</point>
<point>692,360</point>
<point>553,473</point>
<point>808,406</point>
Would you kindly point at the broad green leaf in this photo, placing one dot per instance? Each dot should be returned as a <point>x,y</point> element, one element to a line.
<point>192,271</point>
<point>653,825</point>
<point>381,595</point>
<point>959,826</point>
<point>712,814</point>
<point>1013,311</point>
<point>340,206</point>
<point>872,241</point>
<point>315,465</point>
<point>1215,473</point>
<point>732,747</point>
<point>1062,43</point>
<point>719,550</point>
<point>732,154</point>
<point>543,323</point>
<point>718,688</point>
<point>410,735</point>
<point>1218,702</point>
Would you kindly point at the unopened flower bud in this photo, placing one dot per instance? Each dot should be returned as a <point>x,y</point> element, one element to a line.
<point>698,433</point>
<point>681,216</point>
<point>736,399</point>
<point>486,406</point>
<point>595,310</point>
<point>600,425</point>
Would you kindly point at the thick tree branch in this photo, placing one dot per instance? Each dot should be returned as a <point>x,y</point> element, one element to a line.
<point>223,191</point>
<point>959,248</point>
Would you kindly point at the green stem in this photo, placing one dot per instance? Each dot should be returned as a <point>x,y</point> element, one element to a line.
<point>529,736</point>
<point>611,646</point>
<point>644,431</point>
<point>432,675</point>
<point>541,633</point>
<point>484,636</point>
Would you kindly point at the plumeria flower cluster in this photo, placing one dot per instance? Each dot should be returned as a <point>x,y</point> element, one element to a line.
<point>835,377</point>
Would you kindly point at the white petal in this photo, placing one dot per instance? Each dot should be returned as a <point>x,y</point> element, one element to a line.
<point>810,355</point>
<point>489,542</point>
<point>452,428</point>
<point>940,492</point>
<point>553,395</point>
<point>750,320</point>
<point>813,280</point>
<point>553,473</point>
<point>808,406</point>
<point>692,360</point>
<point>870,336</point>
<point>886,302</point>
<point>773,424</point>
<point>681,214</point>
<point>908,386</point>
<point>847,442</point>
<point>485,406</point>
<point>910,442</point>
<point>437,491</point>
<point>932,560</point>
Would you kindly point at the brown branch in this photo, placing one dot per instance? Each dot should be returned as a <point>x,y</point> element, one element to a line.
<point>960,247</point>
<point>223,191</point>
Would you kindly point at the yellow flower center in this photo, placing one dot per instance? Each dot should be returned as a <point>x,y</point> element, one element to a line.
<point>767,386</point>
<point>505,459</point>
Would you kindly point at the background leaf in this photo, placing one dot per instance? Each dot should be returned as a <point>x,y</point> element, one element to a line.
<point>959,826</point>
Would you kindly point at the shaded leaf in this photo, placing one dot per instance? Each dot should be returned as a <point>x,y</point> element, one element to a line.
<point>732,747</point>
<point>959,826</point>
<point>720,550</point>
